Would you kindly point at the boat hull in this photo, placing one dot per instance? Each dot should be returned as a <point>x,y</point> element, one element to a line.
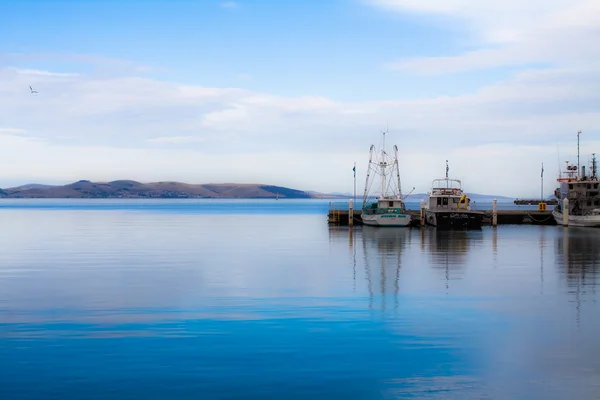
<point>396,220</point>
<point>590,221</point>
<point>456,220</point>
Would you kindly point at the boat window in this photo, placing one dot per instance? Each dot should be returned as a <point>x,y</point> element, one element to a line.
<point>391,204</point>
<point>570,186</point>
<point>445,201</point>
<point>595,186</point>
<point>439,201</point>
<point>597,203</point>
<point>455,200</point>
<point>589,186</point>
<point>589,203</point>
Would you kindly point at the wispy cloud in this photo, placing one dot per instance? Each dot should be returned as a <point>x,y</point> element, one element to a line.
<point>44,73</point>
<point>99,63</point>
<point>244,77</point>
<point>12,131</point>
<point>177,139</point>
<point>509,33</point>
<point>231,5</point>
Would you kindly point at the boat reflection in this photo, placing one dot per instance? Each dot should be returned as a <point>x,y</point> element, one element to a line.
<point>382,251</point>
<point>448,250</point>
<point>578,255</point>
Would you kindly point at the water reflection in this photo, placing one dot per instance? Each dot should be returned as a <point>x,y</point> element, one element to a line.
<point>578,252</point>
<point>578,255</point>
<point>448,250</point>
<point>382,251</point>
<point>172,304</point>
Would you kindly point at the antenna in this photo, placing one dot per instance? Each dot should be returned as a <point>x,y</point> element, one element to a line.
<point>447,169</point>
<point>558,161</point>
<point>578,168</point>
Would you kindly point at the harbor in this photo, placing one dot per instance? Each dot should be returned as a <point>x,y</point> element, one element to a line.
<point>339,214</point>
<point>447,206</point>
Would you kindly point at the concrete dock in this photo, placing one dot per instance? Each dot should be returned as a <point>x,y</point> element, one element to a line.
<point>339,216</point>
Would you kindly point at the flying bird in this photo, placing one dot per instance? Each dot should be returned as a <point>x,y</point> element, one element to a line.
<point>32,91</point>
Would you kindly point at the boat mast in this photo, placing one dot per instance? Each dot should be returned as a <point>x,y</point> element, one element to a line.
<point>578,167</point>
<point>397,170</point>
<point>382,163</point>
<point>368,175</point>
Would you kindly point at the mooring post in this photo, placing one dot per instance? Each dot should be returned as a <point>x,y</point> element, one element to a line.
<point>495,212</point>
<point>565,211</point>
<point>350,213</point>
<point>422,219</point>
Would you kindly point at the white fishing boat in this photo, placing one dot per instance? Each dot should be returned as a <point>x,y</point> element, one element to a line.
<point>388,209</point>
<point>582,192</point>
<point>448,206</point>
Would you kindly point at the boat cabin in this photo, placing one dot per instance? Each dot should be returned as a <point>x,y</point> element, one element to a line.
<point>390,203</point>
<point>385,205</point>
<point>447,194</point>
<point>582,191</point>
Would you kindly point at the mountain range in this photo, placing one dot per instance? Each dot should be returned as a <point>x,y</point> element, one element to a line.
<point>133,189</point>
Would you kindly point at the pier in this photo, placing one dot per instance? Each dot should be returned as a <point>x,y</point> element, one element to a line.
<point>339,214</point>
<point>532,202</point>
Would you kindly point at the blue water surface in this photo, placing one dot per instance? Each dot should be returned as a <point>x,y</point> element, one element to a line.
<point>261,299</point>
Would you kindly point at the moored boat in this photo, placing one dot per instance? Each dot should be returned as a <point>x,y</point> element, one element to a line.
<point>448,206</point>
<point>389,208</point>
<point>582,193</point>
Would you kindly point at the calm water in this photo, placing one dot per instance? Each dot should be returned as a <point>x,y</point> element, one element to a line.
<point>104,299</point>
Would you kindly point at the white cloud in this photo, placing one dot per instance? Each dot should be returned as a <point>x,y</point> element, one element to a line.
<point>510,33</point>
<point>83,127</point>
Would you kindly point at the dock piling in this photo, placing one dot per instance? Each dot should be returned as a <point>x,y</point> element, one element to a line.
<point>565,211</point>
<point>350,213</point>
<point>422,215</point>
<point>495,213</point>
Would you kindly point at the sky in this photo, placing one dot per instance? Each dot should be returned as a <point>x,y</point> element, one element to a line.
<point>293,93</point>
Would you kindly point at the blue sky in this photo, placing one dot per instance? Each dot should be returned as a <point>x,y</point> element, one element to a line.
<point>288,48</point>
<point>168,89</point>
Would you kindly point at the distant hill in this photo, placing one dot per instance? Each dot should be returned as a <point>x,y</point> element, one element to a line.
<point>318,195</point>
<point>168,189</point>
<point>30,186</point>
<point>133,189</point>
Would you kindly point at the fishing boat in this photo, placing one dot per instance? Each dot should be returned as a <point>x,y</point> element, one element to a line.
<point>388,209</point>
<point>582,192</point>
<point>448,206</point>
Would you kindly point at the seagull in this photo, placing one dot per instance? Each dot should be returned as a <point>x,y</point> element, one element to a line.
<point>32,91</point>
